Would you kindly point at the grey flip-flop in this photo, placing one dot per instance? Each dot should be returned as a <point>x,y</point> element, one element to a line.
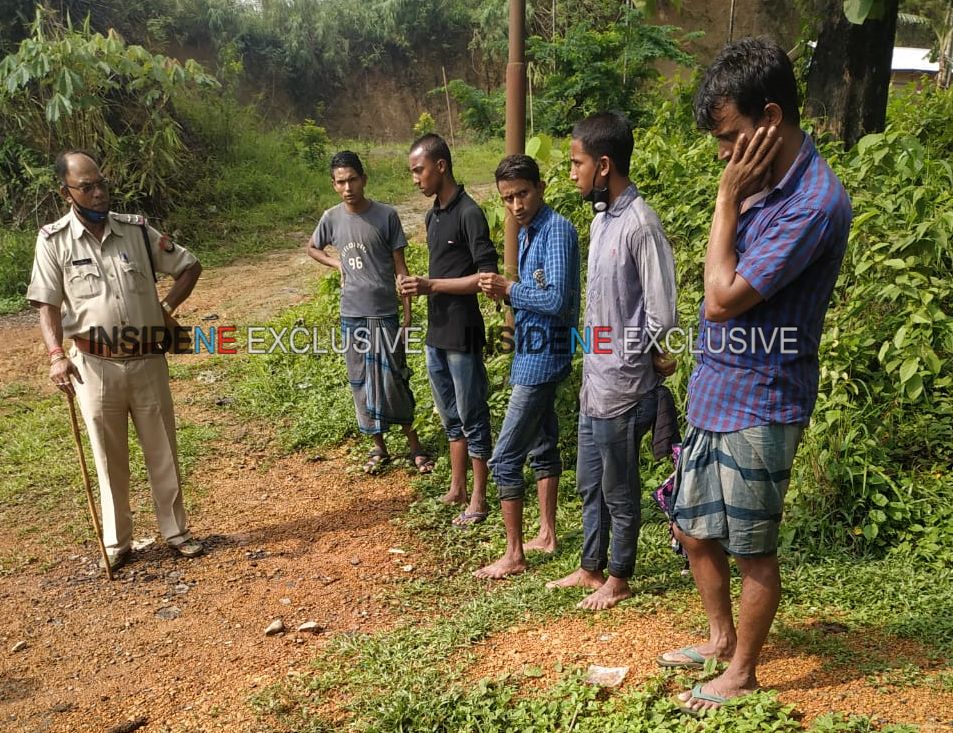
<point>695,660</point>
<point>698,694</point>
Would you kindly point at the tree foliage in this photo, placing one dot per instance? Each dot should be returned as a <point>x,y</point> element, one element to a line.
<point>580,71</point>
<point>68,87</point>
<point>588,70</point>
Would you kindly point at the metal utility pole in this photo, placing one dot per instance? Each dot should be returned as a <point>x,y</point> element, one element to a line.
<point>515,125</point>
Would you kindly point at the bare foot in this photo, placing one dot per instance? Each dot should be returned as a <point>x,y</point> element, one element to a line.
<point>455,496</point>
<point>540,543</point>
<point>580,578</point>
<point>715,692</point>
<point>502,568</point>
<point>609,594</point>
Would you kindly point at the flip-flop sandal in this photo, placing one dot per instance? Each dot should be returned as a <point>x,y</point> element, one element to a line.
<point>468,519</point>
<point>376,460</point>
<point>424,466</point>
<point>694,660</point>
<point>697,694</point>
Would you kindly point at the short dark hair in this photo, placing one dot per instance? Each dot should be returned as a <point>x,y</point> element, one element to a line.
<point>750,72</point>
<point>609,134</point>
<point>61,164</point>
<point>435,148</point>
<point>518,168</point>
<point>347,159</point>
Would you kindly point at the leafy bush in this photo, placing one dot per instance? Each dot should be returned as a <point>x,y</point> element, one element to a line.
<point>587,69</point>
<point>481,112</point>
<point>425,124</point>
<point>591,69</point>
<point>16,257</point>
<point>882,436</point>
<point>310,143</point>
<point>67,87</point>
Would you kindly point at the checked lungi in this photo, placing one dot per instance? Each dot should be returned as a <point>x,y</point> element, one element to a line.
<point>377,372</point>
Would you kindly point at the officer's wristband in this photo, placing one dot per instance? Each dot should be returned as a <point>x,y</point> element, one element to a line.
<point>166,307</point>
<point>58,357</point>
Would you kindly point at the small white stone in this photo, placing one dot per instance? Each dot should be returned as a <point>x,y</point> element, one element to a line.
<point>397,551</point>
<point>19,646</point>
<point>310,627</point>
<point>606,676</point>
<point>408,568</point>
<point>284,601</point>
<point>275,627</point>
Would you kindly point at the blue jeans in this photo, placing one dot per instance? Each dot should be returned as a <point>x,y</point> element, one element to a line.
<point>529,429</point>
<point>607,478</point>
<point>459,386</point>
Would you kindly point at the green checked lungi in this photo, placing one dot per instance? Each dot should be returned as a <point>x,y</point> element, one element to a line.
<point>730,487</point>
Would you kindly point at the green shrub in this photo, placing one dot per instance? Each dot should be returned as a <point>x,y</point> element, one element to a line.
<point>310,143</point>
<point>425,124</point>
<point>590,67</point>
<point>16,258</point>
<point>67,87</point>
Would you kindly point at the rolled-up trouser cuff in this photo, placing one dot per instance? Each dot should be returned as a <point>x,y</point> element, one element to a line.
<point>478,456</point>
<point>511,493</point>
<point>617,571</point>
<point>593,566</point>
<point>547,473</point>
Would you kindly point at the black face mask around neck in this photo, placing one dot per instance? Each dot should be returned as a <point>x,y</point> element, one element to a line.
<point>599,197</point>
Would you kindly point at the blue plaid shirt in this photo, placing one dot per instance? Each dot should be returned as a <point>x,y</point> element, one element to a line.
<point>761,367</point>
<point>546,299</point>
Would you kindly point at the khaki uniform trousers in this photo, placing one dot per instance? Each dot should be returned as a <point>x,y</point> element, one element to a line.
<point>112,390</point>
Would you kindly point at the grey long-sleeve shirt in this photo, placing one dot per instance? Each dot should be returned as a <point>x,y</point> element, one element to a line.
<point>630,290</point>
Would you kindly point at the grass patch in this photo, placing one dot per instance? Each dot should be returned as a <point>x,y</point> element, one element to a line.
<point>912,600</point>
<point>41,489</point>
<point>16,258</point>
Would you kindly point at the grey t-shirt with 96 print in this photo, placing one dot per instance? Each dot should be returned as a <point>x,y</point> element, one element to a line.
<point>365,243</point>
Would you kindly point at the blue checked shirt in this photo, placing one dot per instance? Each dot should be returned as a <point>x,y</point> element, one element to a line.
<point>761,367</point>
<point>546,299</point>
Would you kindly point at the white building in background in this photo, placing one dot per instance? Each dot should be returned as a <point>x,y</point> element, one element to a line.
<point>910,64</point>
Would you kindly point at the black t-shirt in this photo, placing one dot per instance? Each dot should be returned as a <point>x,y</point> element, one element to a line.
<point>458,238</point>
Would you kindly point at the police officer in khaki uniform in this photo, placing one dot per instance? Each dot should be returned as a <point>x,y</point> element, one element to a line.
<point>92,274</point>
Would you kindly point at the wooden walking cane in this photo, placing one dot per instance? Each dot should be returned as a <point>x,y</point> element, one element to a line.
<point>89,488</point>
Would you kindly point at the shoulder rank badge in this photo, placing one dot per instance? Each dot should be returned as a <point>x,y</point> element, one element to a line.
<point>134,219</point>
<point>48,230</point>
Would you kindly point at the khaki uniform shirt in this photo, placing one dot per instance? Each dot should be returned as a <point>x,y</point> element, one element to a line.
<point>104,284</point>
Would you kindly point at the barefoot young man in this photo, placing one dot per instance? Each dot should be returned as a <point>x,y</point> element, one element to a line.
<point>458,239</point>
<point>630,293</point>
<point>777,241</point>
<point>370,242</point>
<point>546,305</point>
